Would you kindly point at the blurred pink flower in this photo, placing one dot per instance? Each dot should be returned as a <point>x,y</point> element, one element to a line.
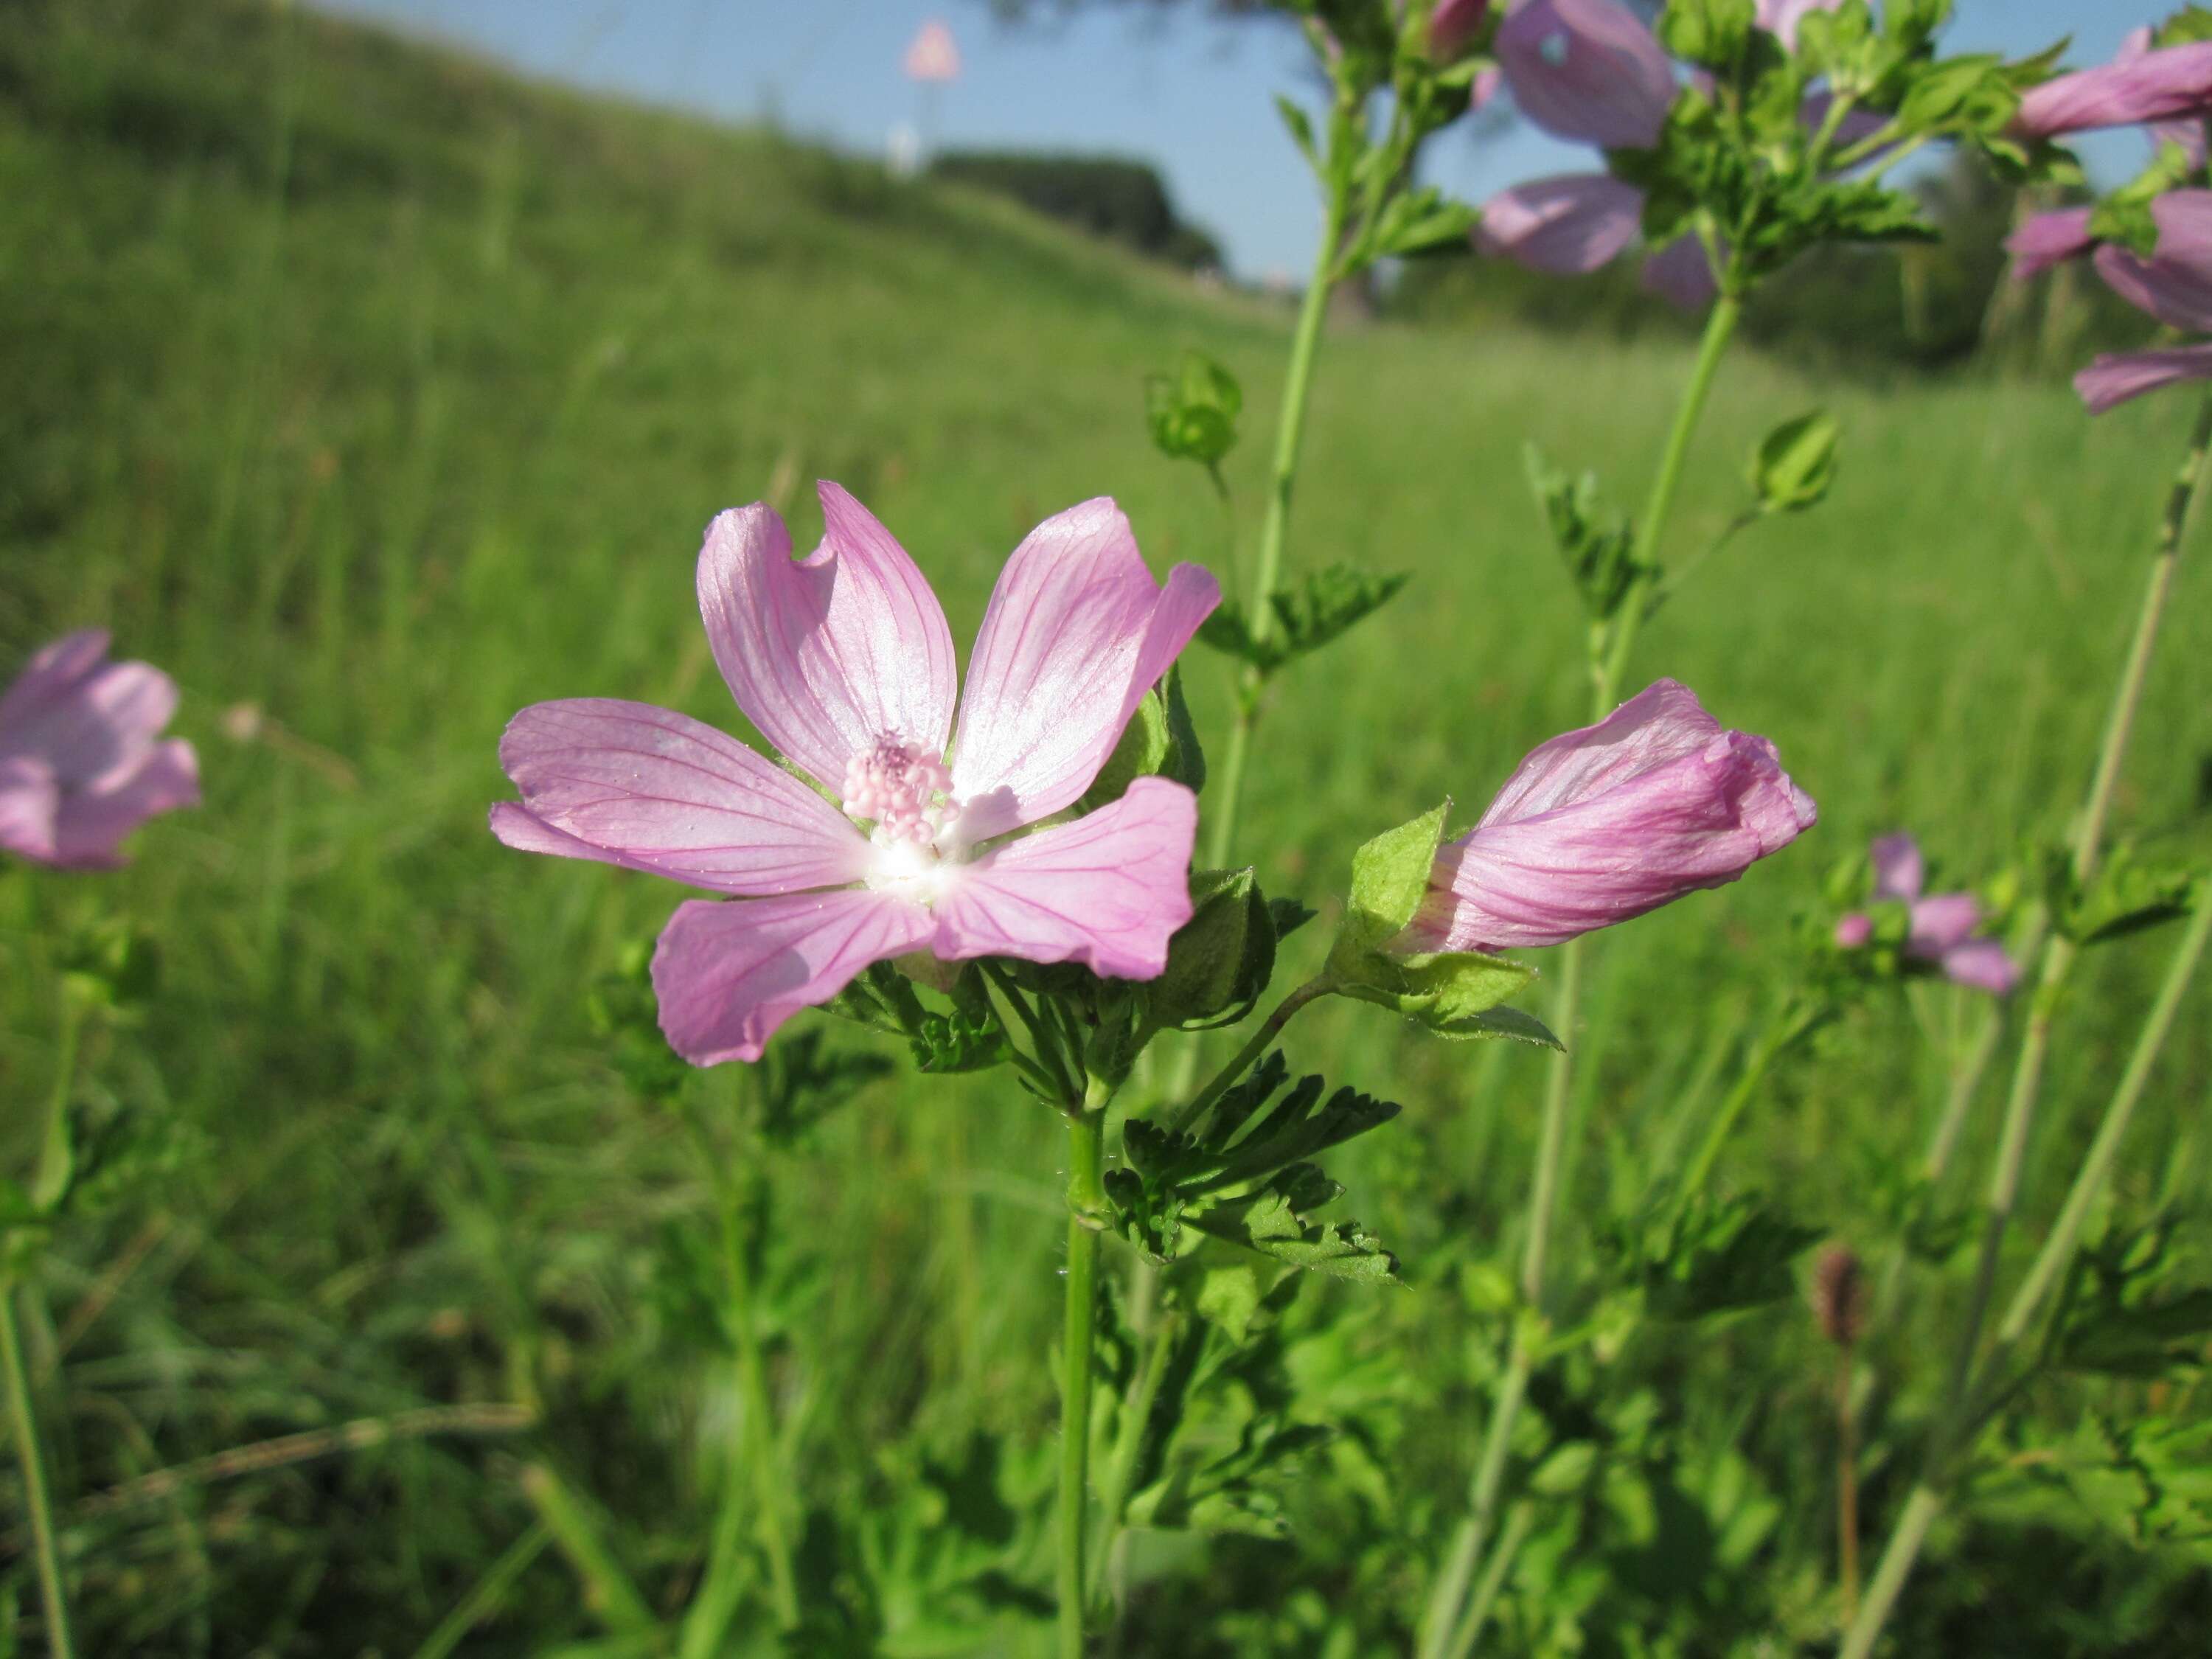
<point>2188,133</point>
<point>2175,283</point>
<point>2138,89</point>
<point>2119,377</point>
<point>1568,225</point>
<point>1452,24</point>
<point>1588,70</point>
<point>844,663</point>
<point>1782,16</point>
<point>2048,239</point>
<point>1942,925</point>
<point>1681,273</point>
<point>1605,823</point>
<point>82,762</point>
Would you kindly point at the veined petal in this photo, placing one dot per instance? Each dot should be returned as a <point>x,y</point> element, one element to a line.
<point>1589,71</point>
<point>650,789</point>
<point>827,654</point>
<point>2150,87</point>
<point>1568,226</point>
<point>727,975</point>
<point>1076,633</point>
<point>2119,377</point>
<point>91,824</point>
<point>1898,870</point>
<point>2175,283</point>
<point>1660,723</point>
<point>1942,923</point>
<point>29,798</point>
<point>1107,891</point>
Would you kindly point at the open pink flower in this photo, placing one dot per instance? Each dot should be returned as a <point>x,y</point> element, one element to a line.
<point>1589,70</point>
<point>1599,825</point>
<point>1943,925</point>
<point>82,759</point>
<point>844,663</point>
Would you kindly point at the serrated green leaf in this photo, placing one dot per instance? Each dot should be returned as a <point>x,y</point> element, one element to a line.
<point>1308,615</point>
<point>1272,1222</point>
<point>1597,549</point>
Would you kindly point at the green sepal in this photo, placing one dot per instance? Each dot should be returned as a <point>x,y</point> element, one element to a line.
<point>1390,879</point>
<point>1415,223</point>
<point>1794,465</point>
<point>1192,414</point>
<point>1220,961</point>
<point>1160,740</point>
<point>2187,27</point>
<point>1300,125</point>
<point>1449,993</point>
<point>1711,34</point>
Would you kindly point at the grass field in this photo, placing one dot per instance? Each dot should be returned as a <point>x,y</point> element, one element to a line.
<point>380,394</point>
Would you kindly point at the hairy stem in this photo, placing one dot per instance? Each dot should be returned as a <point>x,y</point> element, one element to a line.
<point>31,1452</point>
<point>1313,990</point>
<point>1086,1201</point>
<point>1441,1623</point>
<point>2058,955</point>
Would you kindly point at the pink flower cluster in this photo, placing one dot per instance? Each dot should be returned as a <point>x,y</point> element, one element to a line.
<point>82,762</point>
<point>1591,71</point>
<point>2168,91</point>
<point>1942,925</point>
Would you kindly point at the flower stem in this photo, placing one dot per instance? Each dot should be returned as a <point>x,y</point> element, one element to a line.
<point>36,1498</point>
<point>2058,955</point>
<point>57,1152</point>
<point>1313,990</point>
<point>1791,1023</point>
<point>1442,1625</point>
<point>1086,1201</point>
<point>1847,1486</point>
<point>1651,529</point>
<point>1274,527</point>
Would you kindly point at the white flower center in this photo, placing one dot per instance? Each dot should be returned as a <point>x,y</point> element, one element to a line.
<point>902,792</point>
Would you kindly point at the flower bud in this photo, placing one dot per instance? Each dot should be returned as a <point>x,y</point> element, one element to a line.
<point>1838,1295</point>
<point>1588,70</point>
<point>1603,824</point>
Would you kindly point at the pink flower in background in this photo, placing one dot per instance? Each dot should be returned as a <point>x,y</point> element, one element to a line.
<point>844,663</point>
<point>2140,87</point>
<point>1452,24</point>
<point>1589,71</point>
<point>1681,273</point>
<point>932,55</point>
<point>2045,239</point>
<point>1941,926</point>
<point>1568,225</point>
<point>2119,377</point>
<point>83,763</point>
<point>1603,824</point>
<point>1782,17</point>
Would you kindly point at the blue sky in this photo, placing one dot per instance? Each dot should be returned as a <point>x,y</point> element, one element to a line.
<point>1190,93</point>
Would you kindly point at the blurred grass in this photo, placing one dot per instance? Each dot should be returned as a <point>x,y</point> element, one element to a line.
<point>385,393</point>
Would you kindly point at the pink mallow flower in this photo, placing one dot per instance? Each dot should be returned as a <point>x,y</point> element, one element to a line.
<point>1566,226</point>
<point>82,762</point>
<point>1603,824</point>
<point>1589,71</point>
<point>1941,927</point>
<point>2142,87</point>
<point>844,663</point>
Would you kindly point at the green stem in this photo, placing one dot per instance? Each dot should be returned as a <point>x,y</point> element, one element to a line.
<point>2058,954</point>
<point>36,1498</point>
<point>57,1152</point>
<point>1518,1526</point>
<point>1129,1442</point>
<point>2057,1252</point>
<point>1313,990</point>
<point>1607,665</point>
<point>1274,527</point>
<point>1651,529</point>
<point>1786,1028</point>
<point>1086,1202</point>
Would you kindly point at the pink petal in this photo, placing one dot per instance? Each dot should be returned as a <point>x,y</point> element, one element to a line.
<point>2175,284</point>
<point>1681,273</point>
<point>2155,86</point>
<point>2047,239</point>
<point>2189,134</point>
<point>52,675</point>
<point>1982,964</point>
<point>1568,226</point>
<point>1588,70</point>
<point>98,729</point>
<point>728,974</point>
<point>91,824</point>
<point>1942,923</point>
<point>832,653</point>
<point>2118,377</point>
<point>1452,24</point>
<point>649,789</point>
<point>1107,891</point>
<point>1076,633</point>
<point>30,796</point>
<point>1853,931</point>
<point>1897,869</point>
<point>1662,723</point>
<point>1782,16</point>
